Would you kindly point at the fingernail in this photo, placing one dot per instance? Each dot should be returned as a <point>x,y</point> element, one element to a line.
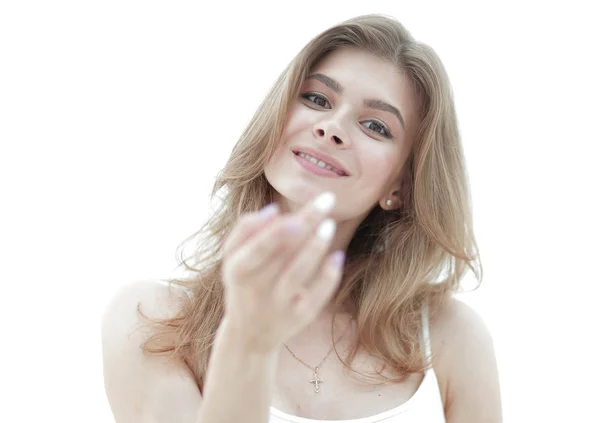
<point>326,229</point>
<point>268,211</point>
<point>325,202</point>
<point>337,260</point>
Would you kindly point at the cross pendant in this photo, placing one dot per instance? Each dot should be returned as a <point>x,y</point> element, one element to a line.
<point>315,380</point>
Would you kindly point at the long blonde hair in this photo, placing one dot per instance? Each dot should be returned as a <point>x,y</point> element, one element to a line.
<point>396,260</point>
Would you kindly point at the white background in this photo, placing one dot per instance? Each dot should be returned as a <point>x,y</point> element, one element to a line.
<point>115,117</point>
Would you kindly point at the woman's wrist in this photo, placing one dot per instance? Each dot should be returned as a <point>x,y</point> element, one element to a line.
<point>237,338</point>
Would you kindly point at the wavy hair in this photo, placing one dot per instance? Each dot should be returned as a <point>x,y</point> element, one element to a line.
<point>396,260</point>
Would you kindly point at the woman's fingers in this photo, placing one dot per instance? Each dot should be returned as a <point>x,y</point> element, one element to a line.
<point>265,255</point>
<point>266,251</point>
<point>248,225</point>
<point>309,300</point>
<point>306,263</point>
<point>266,262</point>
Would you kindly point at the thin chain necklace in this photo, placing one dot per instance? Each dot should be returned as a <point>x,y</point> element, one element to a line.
<point>316,381</point>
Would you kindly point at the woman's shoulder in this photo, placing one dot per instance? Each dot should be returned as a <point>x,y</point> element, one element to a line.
<point>124,321</point>
<point>455,315</point>
<point>454,326</point>
<point>136,382</point>
<point>153,296</point>
<point>463,353</point>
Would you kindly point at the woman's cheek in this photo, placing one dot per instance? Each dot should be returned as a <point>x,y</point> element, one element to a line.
<point>380,167</point>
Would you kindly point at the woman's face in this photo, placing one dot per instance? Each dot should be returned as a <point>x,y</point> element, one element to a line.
<point>357,113</point>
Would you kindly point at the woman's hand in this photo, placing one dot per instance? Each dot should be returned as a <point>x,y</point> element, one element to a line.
<point>276,276</point>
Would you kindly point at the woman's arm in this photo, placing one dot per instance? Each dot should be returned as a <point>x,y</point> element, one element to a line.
<point>467,365</point>
<point>239,381</point>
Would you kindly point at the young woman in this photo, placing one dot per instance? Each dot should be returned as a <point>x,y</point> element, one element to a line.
<point>333,302</point>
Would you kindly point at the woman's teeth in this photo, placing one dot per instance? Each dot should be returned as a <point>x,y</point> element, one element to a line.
<point>320,163</point>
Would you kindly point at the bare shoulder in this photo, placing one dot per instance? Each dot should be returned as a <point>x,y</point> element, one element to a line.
<point>141,386</point>
<point>465,363</point>
<point>458,319</point>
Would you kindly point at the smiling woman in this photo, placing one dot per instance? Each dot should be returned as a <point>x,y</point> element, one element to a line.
<point>355,153</point>
<point>347,116</point>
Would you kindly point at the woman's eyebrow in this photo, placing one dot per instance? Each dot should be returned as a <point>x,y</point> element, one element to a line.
<point>386,107</point>
<point>337,88</point>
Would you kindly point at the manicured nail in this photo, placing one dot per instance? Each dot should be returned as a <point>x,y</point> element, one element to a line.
<point>268,211</point>
<point>337,260</point>
<point>326,229</point>
<point>324,202</point>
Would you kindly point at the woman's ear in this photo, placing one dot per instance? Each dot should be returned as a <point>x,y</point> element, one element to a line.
<point>399,193</point>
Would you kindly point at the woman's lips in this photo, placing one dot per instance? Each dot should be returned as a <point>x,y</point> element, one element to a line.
<point>321,156</point>
<point>315,169</point>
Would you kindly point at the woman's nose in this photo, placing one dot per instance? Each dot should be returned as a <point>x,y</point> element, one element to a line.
<point>330,131</point>
<point>334,138</point>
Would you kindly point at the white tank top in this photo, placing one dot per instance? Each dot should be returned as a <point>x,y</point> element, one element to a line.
<point>425,406</point>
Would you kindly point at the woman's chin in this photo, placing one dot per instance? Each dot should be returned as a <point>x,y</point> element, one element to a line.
<point>293,196</point>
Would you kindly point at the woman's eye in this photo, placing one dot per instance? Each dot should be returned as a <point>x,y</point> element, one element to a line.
<point>378,128</point>
<point>316,99</point>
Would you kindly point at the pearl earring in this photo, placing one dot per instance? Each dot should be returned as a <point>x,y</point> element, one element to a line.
<point>388,202</point>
